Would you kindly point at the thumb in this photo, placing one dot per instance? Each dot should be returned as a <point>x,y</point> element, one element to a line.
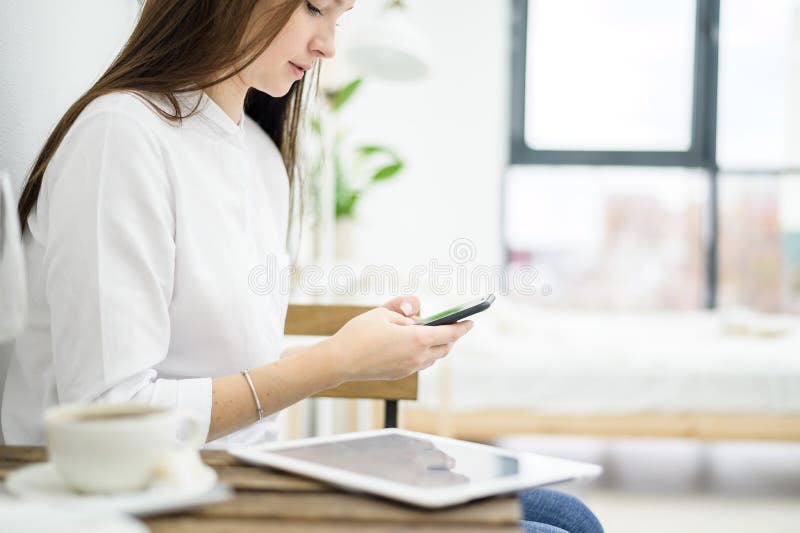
<point>397,318</point>
<point>406,305</point>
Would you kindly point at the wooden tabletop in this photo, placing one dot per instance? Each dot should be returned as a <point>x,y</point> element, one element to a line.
<point>272,501</point>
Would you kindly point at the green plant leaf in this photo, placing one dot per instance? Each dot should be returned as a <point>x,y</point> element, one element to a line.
<point>372,149</point>
<point>387,172</point>
<point>341,97</point>
<point>346,197</point>
<point>346,203</point>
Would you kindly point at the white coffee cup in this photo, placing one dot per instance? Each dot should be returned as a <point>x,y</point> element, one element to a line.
<point>102,448</point>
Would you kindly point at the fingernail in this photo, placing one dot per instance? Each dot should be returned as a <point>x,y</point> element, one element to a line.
<point>406,308</point>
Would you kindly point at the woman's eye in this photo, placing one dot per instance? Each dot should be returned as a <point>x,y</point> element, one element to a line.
<point>314,10</point>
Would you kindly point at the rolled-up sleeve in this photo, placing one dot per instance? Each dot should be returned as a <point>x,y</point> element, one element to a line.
<point>109,266</point>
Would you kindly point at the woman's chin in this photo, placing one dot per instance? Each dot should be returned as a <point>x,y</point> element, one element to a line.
<point>277,90</point>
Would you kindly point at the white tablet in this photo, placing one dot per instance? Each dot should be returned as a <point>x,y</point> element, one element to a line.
<point>423,470</point>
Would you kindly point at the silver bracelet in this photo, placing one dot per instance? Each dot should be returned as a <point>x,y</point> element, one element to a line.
<point>246,375</point>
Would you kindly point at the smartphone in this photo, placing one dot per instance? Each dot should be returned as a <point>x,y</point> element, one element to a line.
<point>454,314</point>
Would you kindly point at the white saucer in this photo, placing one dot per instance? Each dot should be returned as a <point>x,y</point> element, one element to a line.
<point>49,516</point>
<point>41,481</point>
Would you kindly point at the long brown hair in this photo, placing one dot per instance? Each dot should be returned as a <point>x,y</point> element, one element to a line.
<point>179,46</point>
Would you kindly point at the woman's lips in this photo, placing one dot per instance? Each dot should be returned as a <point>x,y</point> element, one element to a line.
<point>298,70</point>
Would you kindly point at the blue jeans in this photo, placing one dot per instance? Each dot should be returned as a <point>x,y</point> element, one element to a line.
<point>548,511</point>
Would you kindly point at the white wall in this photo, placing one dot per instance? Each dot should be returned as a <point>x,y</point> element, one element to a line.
<point>451,130</point>
<point>50,52</point>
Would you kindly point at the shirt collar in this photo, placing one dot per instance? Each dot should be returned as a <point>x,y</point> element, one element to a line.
<point>209,109</point>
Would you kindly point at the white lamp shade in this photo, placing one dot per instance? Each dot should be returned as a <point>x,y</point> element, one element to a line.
<point>391,48</point>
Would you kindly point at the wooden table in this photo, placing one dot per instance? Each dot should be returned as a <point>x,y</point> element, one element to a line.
<point>272,501</point>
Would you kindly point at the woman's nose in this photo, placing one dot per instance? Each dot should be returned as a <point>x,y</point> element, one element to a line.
<point>324,45</point>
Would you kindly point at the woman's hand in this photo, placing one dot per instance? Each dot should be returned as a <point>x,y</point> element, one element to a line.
<point>383,344</point>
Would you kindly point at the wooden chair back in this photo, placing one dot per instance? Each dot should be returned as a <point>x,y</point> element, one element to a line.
<point>326,320</point>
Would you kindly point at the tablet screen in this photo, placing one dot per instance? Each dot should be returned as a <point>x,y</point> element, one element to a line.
<point>409,460</point>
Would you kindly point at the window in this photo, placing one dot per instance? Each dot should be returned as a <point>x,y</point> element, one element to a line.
<point>759,78</point>
<point>594,68</point>
<point>609,237</point>
<point>759,242</point>
<point>758,153</point>
<point>619,82</point>
<point>655,149</point>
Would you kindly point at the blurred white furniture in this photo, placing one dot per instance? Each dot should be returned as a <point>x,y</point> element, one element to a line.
<point>665,374</point>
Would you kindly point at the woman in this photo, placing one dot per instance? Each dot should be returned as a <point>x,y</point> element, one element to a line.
<point>151,202</point>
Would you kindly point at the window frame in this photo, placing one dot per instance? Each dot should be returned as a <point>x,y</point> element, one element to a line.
<point>702,150</point>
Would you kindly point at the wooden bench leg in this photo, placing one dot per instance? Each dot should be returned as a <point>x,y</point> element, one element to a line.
<point>390,414</point>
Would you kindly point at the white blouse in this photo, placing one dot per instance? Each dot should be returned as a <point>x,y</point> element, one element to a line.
<point>139,258</point>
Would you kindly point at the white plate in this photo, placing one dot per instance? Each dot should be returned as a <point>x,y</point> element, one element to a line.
<point>47,516</point>
<point>41,481</point>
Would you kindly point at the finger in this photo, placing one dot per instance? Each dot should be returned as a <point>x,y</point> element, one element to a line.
<point>427,365</point>
<point>437,352</point>
<point>405,305</point>
<point>449,333</point>
<point>398,318</point>
<point>445,346</point>
<point>415,305</point>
